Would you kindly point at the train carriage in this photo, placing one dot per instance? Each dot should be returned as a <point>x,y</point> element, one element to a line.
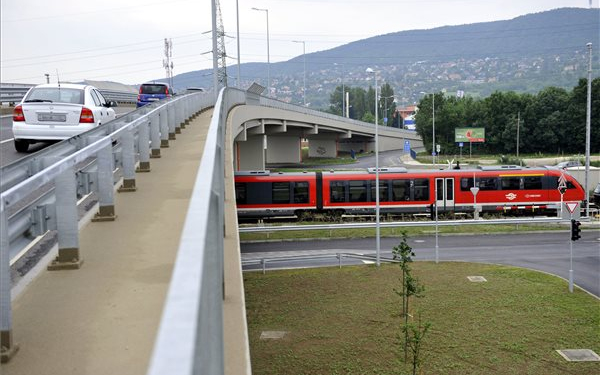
<point>500,188</point>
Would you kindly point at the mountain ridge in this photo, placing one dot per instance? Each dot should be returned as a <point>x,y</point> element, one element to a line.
<point>524,54</point>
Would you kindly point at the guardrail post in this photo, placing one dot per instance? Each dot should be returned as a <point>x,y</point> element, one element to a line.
<point>171,121</point>
<point>155,135</point>
<point>180,105</point>
<point>7,347</point>
<point>144,145</point>
<point>106,211</point>
<point>164,127</point>
<point>66,223</point>
<point>174,116</point>
<point>128,154</point>
<point>186,111</point>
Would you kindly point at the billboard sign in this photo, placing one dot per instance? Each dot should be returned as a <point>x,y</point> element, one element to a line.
<point>469,135</point>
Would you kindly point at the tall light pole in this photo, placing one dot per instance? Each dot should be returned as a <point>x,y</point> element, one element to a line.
<point>304,61</point>
<point>377,224</point>
<point>434,149</point>
<point>237,15</point>
<point>268,52</point>
<point>587,130</point>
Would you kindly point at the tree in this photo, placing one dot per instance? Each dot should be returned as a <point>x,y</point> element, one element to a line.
<point>410,285</point>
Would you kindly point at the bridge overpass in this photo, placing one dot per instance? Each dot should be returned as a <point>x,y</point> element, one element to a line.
<point>158,286</point>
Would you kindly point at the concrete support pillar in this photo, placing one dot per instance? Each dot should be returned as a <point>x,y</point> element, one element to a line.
<point>144,146</point>
<point>7,346</point>
<point>106,198</point>
<point>322,148</point>
<point>250,155</point>
<point>128,154</point>
<point>66,223</point>
<point>283,149</point>
<point>164,127</point>
<point>172,125</point>
<point>155,135</point>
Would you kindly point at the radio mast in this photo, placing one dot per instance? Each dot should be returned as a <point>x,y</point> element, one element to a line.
<point>167,61</point>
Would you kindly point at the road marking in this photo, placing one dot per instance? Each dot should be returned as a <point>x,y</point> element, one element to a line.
<point>6,140</point>
<point>6,116</point>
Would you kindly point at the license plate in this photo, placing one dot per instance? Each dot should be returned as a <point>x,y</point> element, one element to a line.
<point>54,117</point>
<point>153,99</point>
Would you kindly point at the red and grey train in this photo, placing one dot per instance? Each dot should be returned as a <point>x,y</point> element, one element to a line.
<point>501,188</point>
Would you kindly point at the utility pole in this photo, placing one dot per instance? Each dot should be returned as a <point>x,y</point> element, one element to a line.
<point>167,63</point>
<point>518,124</point>
<point>587,130</point>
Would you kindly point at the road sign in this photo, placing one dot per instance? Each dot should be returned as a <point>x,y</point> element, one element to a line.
<point>460,144</point>
<point>385,120</point>
<point>438,148</point>
<point>571,206</point>
<point>406,145</point>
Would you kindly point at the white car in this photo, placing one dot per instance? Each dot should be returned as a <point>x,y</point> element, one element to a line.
<point>52,112</point>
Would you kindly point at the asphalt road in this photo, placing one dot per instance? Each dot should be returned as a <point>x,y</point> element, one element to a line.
<point>547,252</point>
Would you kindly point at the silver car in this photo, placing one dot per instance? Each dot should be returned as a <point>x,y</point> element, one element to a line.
<point>56,111</point>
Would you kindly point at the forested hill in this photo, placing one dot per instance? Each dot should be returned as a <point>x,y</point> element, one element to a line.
<point>524,54</point>
<point>556,32</point>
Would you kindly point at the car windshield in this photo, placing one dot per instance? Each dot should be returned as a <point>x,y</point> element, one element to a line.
<point>154,89</point>
<point>55,95</point>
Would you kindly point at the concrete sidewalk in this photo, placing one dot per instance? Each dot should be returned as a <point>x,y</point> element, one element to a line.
<point>103,318</point>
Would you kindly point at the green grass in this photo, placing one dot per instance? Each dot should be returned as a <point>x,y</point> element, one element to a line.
<point>394,232</point>
<point>346,321</point>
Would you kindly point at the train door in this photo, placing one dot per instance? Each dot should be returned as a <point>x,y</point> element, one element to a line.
<point>445,193</point>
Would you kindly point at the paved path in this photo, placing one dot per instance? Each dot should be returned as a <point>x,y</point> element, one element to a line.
<point>103,318</point>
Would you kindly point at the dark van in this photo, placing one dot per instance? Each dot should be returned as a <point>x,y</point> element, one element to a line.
<point>151,92</point>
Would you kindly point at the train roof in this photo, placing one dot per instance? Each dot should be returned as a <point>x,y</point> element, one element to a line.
<point>400,170</point>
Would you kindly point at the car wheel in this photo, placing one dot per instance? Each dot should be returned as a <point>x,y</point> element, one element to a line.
<point>21,145</point>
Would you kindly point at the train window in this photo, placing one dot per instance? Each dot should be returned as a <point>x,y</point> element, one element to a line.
<point>421,189</point>
<point>281,192</point>
<point>383,191</point>
<point>338,191</point>
<point>240,192</point>
<point>466,183</point>
<point>570,185</point>
<point>401,190</point>
<point>358,191</point>
<point>532,182</point>
<point>301,192</point>
<point>510,183</point>
<point>488,183</point>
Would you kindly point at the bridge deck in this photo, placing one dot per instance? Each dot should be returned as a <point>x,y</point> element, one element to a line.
<point>103,318</point>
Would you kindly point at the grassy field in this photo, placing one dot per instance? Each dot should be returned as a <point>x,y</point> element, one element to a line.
<point>347,321</point>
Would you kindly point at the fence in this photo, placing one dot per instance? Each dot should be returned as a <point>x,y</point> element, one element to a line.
<point>14,92</point>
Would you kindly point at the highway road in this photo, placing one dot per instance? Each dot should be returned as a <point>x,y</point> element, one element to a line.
<point>547,252</point>
<point>8,154</point>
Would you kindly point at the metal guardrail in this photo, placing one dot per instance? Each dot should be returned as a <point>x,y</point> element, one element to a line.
<point>14,92</point>
<point>190,337</point>
<point>396,224</point>
<point>40,193</point>
<point>339,256</point>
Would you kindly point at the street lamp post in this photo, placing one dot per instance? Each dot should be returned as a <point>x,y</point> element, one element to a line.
<point>377,224</point>
<point>304,61</point>
<point>587,130</point>
<point>237,16</point>
<point>434,149</point>
<point>268,52</point>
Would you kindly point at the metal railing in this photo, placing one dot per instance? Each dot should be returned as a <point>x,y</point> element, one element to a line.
<point>396,224</point>
<point>39,194</point>
<point>14,92</point>
<point>190,337</point>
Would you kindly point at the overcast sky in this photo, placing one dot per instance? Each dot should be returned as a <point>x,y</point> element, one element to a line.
<point>123,41</point>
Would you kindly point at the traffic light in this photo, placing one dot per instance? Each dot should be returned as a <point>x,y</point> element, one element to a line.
<point>575,231</point>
